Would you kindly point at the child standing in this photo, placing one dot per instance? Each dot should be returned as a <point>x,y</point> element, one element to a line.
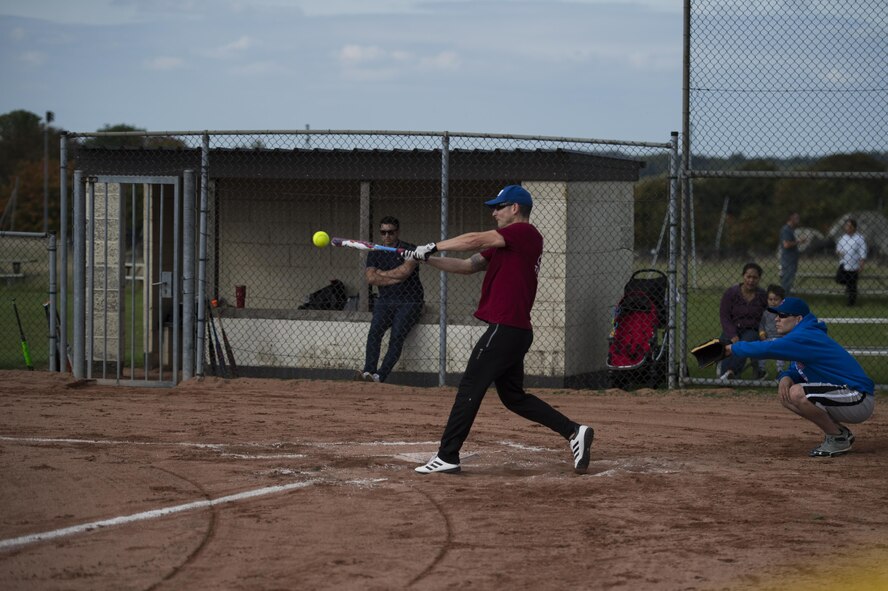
<point>768,326</point>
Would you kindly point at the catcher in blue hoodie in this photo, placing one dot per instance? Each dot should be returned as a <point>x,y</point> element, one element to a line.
<point>823,384</point>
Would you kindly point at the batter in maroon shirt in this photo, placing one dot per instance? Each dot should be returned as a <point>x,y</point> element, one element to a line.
<point>511,256</point>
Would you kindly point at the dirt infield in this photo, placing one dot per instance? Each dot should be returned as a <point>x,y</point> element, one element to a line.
<point>266,484</point>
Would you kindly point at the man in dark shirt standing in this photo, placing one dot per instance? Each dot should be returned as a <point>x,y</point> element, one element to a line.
<point>398,306</point>
<point>511,256</point>
<point>789,252</point>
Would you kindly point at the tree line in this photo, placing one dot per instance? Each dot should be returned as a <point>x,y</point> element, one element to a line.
<point>756,208</point>
<point>22,161</point>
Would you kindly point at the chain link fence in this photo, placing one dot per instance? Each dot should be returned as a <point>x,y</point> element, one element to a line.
<point>787,80</point>
<point>786,114</point>
<point>24,300</point>
<point>291,309</point>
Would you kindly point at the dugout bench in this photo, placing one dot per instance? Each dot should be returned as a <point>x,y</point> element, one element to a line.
<point>11,269</point>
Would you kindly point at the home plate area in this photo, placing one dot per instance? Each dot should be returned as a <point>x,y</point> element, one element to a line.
<point>496,458</point>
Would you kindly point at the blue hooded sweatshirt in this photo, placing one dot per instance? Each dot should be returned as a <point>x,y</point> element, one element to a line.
<point>816,358</point>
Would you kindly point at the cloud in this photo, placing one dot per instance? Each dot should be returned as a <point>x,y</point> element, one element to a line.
<point>371,62</point>
<point>17,34</point>
<point>236,47</point>
<point>445,60</point>
<point>353,55</point>
<point>261,68</point>
<point>164,63</point>
<point>32,58</point>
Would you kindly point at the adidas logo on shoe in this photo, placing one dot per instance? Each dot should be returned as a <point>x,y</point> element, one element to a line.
<point>438,465</point>
<point>580,444</point>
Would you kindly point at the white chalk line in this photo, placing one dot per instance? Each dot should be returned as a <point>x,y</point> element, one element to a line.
<point>524,447</point>
<point>213,446</point>
<point>153,514</point>
<point>263,456</point>
<point>633,466</point>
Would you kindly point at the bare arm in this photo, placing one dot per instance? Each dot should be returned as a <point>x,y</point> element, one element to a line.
<point>473,241</point>
<point>467,266</point>
<point>397,275</point>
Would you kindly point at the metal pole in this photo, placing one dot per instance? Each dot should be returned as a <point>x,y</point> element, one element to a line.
<point>49,118</point>
<point>673,248</point>
<point>79,228</point>
<point>159,284</point>
<point>133,272</point>
<point>105,287</point>
<point>148,241</point>
<point>685,181</point>
<point>188,277</point>
<point>54,361</point>
<point>202,255</point>
<point>90,277</point>
<point>63,238</point>
<point>177,249</point>
<point>442,296</point>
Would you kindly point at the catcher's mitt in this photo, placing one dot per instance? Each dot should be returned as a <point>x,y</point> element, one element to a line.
<point>712,351</point>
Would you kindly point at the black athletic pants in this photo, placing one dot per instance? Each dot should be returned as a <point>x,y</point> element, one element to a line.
<point>498,358</point>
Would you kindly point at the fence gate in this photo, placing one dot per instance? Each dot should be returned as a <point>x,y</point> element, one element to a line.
<point>128,320</point>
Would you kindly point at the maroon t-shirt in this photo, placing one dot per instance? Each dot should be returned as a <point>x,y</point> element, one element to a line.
<point>510,283</point>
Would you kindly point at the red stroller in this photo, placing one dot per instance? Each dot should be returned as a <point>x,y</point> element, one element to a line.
<point>638,343</point>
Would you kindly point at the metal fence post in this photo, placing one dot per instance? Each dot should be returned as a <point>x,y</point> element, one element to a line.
<point>202,253</point>
<point>188,277</point>
<point>53,342</point>
<point>63,238</point>
<point>673,252</point>
<point>442,300</point>
<point>78,226</point>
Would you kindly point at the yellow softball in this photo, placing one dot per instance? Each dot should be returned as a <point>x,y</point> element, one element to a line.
<point>320,239</point>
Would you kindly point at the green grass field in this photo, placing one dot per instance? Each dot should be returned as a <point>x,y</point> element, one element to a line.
<point>29,297</point>
<point>703,323</point>
<point>702,328</point>
<point>708,283</point>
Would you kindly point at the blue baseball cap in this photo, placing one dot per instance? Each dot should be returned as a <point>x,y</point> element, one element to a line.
<point>793,307</point>
<point>511,194</point>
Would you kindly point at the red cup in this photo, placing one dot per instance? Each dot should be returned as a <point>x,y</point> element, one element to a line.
<point>240,295</point>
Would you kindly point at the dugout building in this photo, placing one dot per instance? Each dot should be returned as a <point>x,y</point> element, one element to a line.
<point>265,204</point>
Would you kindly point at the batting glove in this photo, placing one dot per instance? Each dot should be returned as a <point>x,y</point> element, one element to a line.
<point>422,253</point>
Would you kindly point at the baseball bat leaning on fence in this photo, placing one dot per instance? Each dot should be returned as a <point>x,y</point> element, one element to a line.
<point>211,349</point>
<point>363,245</point>
<point>26,351</point>
<point>228,350</point>
<point>219,354</point>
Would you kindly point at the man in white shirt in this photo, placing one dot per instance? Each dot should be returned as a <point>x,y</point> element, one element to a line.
<point>851,248</point>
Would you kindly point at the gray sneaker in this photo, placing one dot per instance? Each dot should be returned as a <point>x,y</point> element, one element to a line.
<point>834,445</point>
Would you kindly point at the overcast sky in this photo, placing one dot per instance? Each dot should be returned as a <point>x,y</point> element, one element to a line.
<point>580,68</point>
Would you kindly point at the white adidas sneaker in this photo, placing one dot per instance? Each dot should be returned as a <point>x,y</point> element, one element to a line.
<point>580,444</point>
<point>438,465</point>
